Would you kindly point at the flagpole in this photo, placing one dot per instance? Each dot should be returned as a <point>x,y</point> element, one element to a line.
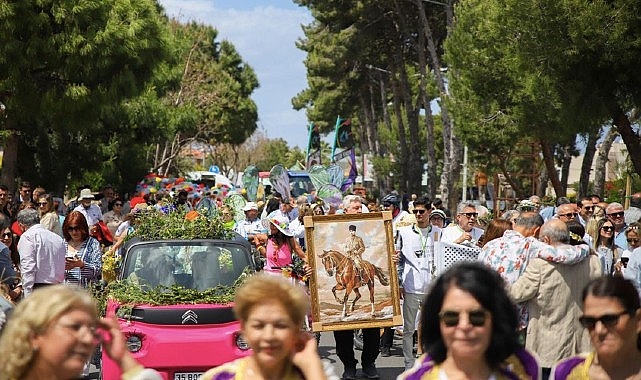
<point>309,142</point>
<point>338,123</point>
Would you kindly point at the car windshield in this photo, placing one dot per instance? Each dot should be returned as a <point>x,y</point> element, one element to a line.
<point>193,265</point>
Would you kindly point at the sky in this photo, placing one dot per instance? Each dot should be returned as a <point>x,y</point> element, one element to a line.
<point>264,32</point>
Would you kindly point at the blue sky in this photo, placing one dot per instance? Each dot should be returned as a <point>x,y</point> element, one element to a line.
<point>264,33</point>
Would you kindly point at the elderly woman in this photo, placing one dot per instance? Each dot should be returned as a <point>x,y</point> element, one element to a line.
<point>53,333</point>
<point>271,312</point>
<point>84,255</point>
<point>612,315</point>
<point>469,330</point>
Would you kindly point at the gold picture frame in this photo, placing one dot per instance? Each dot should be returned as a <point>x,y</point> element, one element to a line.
<point>328,240</point>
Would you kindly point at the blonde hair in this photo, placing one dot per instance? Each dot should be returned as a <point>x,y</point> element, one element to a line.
<point>261,288</point>
<point>32,317</point>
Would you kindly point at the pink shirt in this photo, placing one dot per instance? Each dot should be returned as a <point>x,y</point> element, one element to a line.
<point>277,257</point>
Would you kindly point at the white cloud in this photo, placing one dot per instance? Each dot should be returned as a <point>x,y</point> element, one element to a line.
<point>265,37</point>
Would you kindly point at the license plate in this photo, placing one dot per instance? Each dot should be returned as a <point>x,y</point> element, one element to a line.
<point>187,375</point>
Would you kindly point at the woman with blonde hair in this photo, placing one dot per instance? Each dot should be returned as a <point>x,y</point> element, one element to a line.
<point>53,333</point>
<point>271,312</point>
<point>48,215</point>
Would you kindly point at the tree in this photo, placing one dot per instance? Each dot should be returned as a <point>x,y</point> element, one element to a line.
<point>62,65</point>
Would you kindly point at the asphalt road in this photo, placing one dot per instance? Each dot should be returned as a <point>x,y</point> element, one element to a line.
<point>388,367</point>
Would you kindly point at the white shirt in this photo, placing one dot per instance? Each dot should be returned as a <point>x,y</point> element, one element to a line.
<point>454,231</point>
<point>42,257</point>
<point>92,214</point>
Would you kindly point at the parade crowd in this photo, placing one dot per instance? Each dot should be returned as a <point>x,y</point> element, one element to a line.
<point>553,291</point>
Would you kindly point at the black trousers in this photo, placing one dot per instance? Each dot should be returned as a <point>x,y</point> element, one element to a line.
<point>388,337</point>
<point>345,347</point>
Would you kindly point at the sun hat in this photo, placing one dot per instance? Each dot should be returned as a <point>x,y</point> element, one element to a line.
<point>86,194</point>
<point>250,206</point>
<point>279,221</point>
<point>438,212</point>
<point>526,205</point>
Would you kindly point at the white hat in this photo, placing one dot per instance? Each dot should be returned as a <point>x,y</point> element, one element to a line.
<point>250,206</point>
<point>279,221</point>
<point>86,194</point>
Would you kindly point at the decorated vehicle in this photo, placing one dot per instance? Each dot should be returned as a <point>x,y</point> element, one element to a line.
<point>173,297</point>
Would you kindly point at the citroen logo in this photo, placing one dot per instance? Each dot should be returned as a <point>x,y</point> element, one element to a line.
<point>190,317</point>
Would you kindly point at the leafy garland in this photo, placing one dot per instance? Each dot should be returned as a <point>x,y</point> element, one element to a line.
<point>154,225</point>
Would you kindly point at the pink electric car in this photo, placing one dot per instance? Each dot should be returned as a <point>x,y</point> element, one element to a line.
<point>180,340</point>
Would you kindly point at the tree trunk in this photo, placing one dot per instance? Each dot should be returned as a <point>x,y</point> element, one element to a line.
<point>602,160</point>
<point>402,140</point>
<point>450,148</point>
<point>542,186</point>
<point>424,99</point>
<point>10,158</point>
<point>586,165</point>
<point>565,168</point>
<point>630,138</point>
<point>548,158</point>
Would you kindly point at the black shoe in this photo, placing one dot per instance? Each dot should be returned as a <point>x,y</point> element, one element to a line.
<point>385,352</point>
<point>370,372</point>
<point>350,373</point>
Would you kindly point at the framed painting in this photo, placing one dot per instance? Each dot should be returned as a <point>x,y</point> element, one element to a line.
<point>354,282</point>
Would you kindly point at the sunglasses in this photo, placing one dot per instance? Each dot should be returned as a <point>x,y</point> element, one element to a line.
<point>608,320</point>
<point>616,214</point>
<point>419,211</point>
<point>569,215</point>
<point>451,318</point>
<point>470,214</point>
<point>633,241</point>
<point>73,228</point>
<point>6,235</point>
<point>41,203</point>
<point>117,204</point>
<point>607,228</point>
<point>589,208</point>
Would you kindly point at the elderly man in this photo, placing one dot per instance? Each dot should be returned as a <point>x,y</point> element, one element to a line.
<point>252,224</point>
<point>566,212</point>
<point>42,253</point>
<point>90,210</point>
<point>463,231</point>
<point>615,214</point>
<point>510,254</point>
<point>345,338</point>
<point>553,295</point>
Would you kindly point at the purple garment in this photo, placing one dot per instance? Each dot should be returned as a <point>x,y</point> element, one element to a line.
<point>563,369</point>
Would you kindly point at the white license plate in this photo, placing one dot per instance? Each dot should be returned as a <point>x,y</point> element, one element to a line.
<point>187,375</point>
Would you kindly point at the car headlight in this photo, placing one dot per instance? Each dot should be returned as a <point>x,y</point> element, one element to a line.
<point>134,343</point>
<point>241,343</point>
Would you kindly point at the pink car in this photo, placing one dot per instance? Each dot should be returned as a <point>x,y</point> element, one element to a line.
<point>181,341</point>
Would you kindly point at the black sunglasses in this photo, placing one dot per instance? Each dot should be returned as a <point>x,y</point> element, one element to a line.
<point>608,320</point>
<point>617,214</point>
<point>451,318</point>
<point>419,211</point>
<point>633,241</point>
<point>569,214</point>
<point>6,235</point>
<point>42,203</point>
<point>607,228</point>
<point>117,204</point>
<point>470,214</point>
<point>73,228</point>
<point>589,208</point>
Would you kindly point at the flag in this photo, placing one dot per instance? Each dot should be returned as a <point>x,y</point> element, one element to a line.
<point>344,139</point>
<point>313,147</point>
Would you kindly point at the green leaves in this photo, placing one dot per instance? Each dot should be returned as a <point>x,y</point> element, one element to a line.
<point>154,225</point>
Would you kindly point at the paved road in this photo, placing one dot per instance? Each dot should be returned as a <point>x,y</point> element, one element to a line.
<point>388,368</point>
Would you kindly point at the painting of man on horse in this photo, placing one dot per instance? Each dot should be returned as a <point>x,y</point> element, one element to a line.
<point>349,277</point>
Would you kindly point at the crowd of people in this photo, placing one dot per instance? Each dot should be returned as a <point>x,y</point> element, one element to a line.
<point>553,292</point>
